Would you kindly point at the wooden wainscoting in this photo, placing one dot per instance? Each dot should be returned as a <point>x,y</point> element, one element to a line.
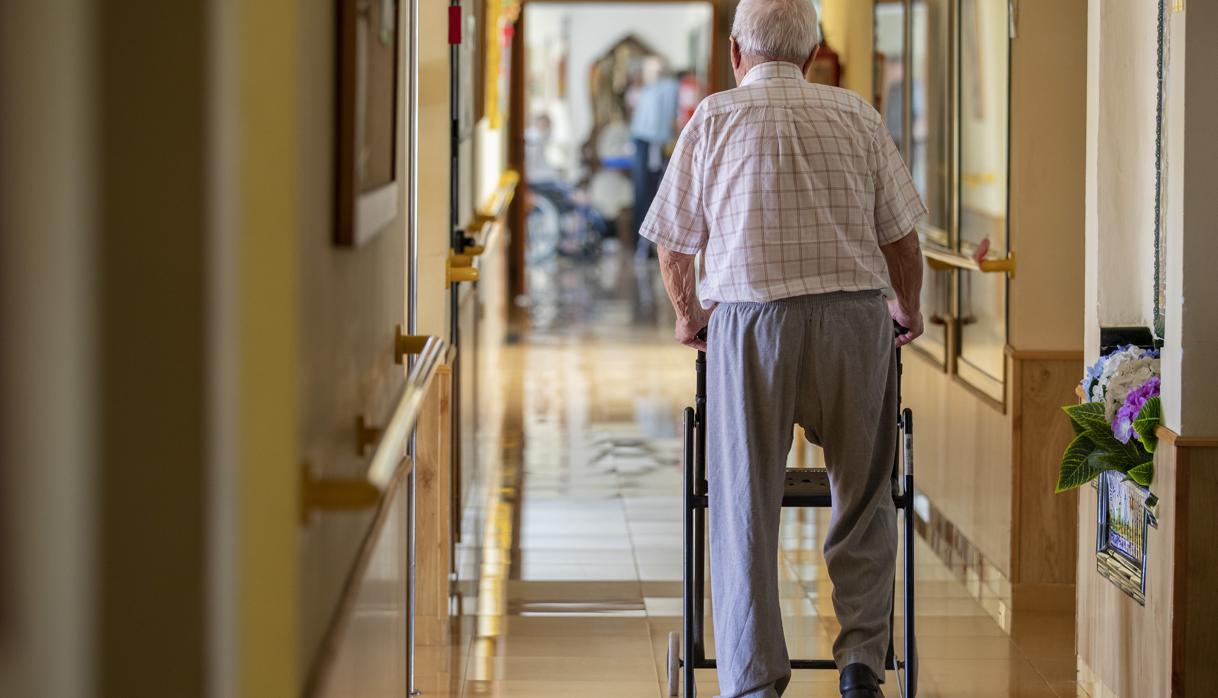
<point>1043,524</point>
<point>433,514</point>
<point>1167,647</point>
<point>989,479</point>
<point>1195,577</point>
<point>963,457</point>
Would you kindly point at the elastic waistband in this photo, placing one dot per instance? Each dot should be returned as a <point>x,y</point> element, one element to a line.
<point>814,299</point>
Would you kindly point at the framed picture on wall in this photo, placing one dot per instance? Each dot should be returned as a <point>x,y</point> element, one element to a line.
<point>368,195</point>
<point>1124,513</point>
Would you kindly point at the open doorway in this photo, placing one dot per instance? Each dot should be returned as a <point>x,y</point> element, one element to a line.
<point>608,86</point>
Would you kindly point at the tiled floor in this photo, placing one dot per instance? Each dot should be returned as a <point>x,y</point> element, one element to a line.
<point>577,551</point>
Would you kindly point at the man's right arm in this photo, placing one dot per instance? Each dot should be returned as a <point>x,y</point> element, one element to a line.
<point>904,258</point>
<point>677,271</point>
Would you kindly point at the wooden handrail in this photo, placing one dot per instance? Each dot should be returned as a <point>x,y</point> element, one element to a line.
<point>494,208</point>
<point>391,450</point>
<point>328,494</point>
<point>502,197</point>
<point>956,260</point>
<point>463,265</point>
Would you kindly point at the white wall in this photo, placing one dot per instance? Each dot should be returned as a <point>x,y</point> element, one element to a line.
<point>1091,254</point>
<point>593,29</point>
<point>1191,350</point>
<point>1125,168</point>
<point>1120,194</point>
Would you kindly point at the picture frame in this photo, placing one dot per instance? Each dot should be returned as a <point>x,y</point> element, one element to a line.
<point>369,46</point>
<point>1125,512</point>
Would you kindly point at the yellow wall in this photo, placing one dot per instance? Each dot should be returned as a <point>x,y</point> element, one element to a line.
<point>152,364</point>
<point>268,350</point>
<point>849,27</point>
<point>350,300</point>
<point>1048,176</point>
<point>153,214</point>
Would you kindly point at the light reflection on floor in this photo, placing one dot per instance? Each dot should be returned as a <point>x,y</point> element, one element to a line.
<point>579,561</point>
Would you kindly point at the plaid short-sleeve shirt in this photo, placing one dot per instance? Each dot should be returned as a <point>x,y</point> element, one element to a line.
<point>788,188</point>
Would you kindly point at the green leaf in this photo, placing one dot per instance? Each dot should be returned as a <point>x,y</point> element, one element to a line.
<point>1143,473</point>
<point>1077,466</point>
<point>1147,421</point>
<point>1129,454</point>
<point>1094,421</point>
<point>1083,411</point>
<point>1097,428</point>
<point>1120,461</point>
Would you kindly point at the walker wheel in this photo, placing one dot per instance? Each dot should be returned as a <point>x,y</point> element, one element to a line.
<point>674,663</point>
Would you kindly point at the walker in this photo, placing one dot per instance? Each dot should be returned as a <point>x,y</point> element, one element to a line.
<point>805,487</point>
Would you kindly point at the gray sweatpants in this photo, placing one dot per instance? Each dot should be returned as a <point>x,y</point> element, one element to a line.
<point>827,363</point>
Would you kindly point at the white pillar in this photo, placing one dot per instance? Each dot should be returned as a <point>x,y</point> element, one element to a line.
<point>1191,349</point>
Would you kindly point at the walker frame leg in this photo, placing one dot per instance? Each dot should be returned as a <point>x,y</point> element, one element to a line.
<point>688,582</point>
<point>910,677</point>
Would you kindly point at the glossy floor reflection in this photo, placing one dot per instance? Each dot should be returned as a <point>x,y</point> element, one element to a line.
<point>574,560</point>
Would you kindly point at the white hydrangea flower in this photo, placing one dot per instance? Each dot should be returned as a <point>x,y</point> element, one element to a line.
<point>1112,364</point>
<point>1127,377</point>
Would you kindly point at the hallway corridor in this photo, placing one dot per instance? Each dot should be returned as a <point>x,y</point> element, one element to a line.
<point>336,361</point>
<point>580,571</point>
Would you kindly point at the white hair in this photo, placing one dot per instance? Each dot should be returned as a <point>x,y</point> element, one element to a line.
<point>777,30</point>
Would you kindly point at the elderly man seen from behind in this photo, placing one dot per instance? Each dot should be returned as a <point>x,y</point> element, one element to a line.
<point>801,207</point>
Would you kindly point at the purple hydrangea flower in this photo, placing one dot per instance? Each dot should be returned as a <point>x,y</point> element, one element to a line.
<point>1122,424</point>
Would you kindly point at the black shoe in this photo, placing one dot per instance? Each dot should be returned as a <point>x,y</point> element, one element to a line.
<point>859,681</point>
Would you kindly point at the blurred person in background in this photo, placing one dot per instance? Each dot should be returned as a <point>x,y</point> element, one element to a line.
<point>575,225</point>
<point>537,136</point>
<point>689,94</point>
<point>652,128</point>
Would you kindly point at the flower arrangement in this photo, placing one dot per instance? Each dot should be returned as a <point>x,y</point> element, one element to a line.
<point>1114,429</point>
